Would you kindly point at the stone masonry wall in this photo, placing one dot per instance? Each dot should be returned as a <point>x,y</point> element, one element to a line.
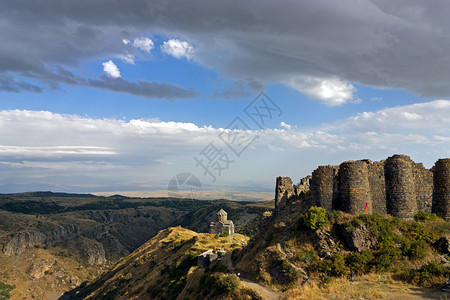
<point>324,187</point>
<point>397,186</point>
<point>283,191</point>
<point>423,184</point>
<point>441,195</point>
<point>377,187</point>
<point>400,191</point>
<point>354,187</point>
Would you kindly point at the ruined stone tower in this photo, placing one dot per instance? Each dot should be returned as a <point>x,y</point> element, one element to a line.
<point>324,187</point>
<point>441,194</point>
<point>400,192</point>
<point>354,187</point>
<point>283,191</point>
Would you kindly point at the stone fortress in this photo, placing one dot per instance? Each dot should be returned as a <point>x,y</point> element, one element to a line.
<point>397,186</point>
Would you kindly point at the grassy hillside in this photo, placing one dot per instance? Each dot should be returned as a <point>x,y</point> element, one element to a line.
<point>302,256</point>
<point>166,267</point>
<point>312,255</point>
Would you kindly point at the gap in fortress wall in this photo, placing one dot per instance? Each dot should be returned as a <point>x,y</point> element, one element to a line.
<point>397,186</point>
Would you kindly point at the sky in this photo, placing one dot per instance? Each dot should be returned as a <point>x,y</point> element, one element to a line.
<point>103,96</point>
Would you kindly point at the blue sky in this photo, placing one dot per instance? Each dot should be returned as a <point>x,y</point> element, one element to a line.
<point>118,96</point>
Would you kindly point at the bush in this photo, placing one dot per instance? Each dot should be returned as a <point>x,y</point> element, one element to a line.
<point>424,216</point>
<point>307,256</point>
<point>420,232</point>
<point>431,273</point>
<point>383,261</point>
<point>227,285</point>
<point>361,261</point>
<point>4,290</point>
<point>224,234</point>
<point>335,266</point>
<point>418,249</point>
<point>218,285</point>
<point>315,218</point>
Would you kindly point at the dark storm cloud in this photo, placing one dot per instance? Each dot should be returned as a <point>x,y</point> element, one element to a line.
<point>396,44</point>
<point>143,88</point>
<point>9,84</point>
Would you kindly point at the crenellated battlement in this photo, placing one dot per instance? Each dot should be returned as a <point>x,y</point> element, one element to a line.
<point>397,186</point>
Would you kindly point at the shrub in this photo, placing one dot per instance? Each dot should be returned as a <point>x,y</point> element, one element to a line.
<point>315,218</point>
<point>383,262</point>
<point>307,256</point>
<point>227,285</point>
<point>335,266</point>
<point>224,234</point>
<point>4,290</point>
<point>218,285</point>
<point>418,249</point>
<point>420,232</point>
<point>423,216</point>
<point>431,273</point>
<point>361,261</point>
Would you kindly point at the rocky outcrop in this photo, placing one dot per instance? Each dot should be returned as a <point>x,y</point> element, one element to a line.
<point>38,270</point>
<point>94,253</point>
<point>324,243</point>
<point>443,245</point>
<point>102,234</point>
<point>24,240</point>
<point>107,217</point>
<point>360,238</point>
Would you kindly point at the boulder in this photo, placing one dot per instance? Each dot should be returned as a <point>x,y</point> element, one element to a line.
<point>360,238</point>
<point>443,245</point>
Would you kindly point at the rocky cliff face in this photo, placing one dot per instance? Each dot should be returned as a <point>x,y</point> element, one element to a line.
<point>94,253</point>
<point>24,240</point>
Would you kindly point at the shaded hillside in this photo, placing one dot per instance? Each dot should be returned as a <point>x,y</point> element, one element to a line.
<point>166,268</point>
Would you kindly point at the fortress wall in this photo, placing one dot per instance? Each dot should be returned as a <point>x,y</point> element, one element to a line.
<point>423,184</point>
<point>400,191</point>
<point>354,187</point>
<point>441,195</point>
<point>324,187</point>
<point>302,188</point>
<point>377,187</point>
<point>283,191</point>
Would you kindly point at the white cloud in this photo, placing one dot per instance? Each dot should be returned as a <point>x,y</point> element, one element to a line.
<point>178,49</point>
<point>424,117</point>
<point>129,59</point>
<point>143,43</point>
<point>38,144</point>
<point>125,41</point>
<point>330,91</point>
<point>111,69</point>
<point>52,151</point>
<point>285,125</point>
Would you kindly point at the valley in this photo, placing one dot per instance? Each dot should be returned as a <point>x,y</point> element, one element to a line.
<point>53,242</point>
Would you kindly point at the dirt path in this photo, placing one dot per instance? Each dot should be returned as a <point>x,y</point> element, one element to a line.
<point>263,291</point>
